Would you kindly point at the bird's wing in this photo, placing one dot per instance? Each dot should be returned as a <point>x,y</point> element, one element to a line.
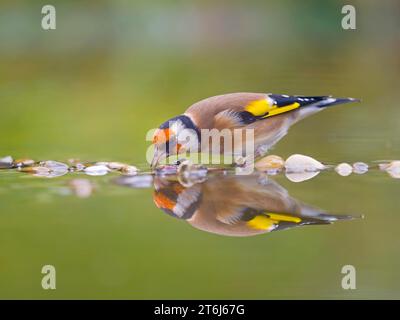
<point>203,113</point>
<point>240,109</point>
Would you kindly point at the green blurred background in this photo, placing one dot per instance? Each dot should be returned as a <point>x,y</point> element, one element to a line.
<point>114,69</point>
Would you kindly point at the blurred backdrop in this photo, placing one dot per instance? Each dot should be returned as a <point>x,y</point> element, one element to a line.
<point>114,69</point>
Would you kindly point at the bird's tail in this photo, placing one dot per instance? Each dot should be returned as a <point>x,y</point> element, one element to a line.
<point>309,101</point>
<point>312,105</point>
<point>328,101</point>
<point>318,214</point>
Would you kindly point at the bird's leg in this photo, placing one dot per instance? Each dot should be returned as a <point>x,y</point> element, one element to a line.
<point>244,164</point>
<point>239,161</point>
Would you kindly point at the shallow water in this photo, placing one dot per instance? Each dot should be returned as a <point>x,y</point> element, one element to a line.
<point>85,234</point>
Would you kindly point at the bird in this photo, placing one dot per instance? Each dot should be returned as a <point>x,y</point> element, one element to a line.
<point>269,116</point>
<point>237,206</point>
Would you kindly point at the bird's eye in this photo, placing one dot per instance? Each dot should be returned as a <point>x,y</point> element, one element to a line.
<point>161,136</point>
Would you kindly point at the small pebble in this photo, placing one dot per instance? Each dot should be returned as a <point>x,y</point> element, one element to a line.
<point>54,165</point>
<point>56,168</point>
<point>298,163</point>
<point>96,170</point>
<point>270,163</point>
<point>47,169</point>
<point>76,165</point>
<point>23,163</point>
<point>37,171</point>
<point>79,167</point>
<point>129,170</point>
<point>7,159</point>
<point>383,166</point>
<point>360,167</point>
<point>116,165</point>
<point>344,169</point>
<point>393,169</point>
<point>123,168</point>
<point>6,162</point>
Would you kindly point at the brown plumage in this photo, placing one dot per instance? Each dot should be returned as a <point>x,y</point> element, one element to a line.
<point>237,206</point>
<point>269,115</point>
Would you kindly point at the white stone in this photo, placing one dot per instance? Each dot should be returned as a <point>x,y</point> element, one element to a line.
<point>393,169</point>
<point>7,159</point>
<point>6,162</point>
<point>360,167</point>
<point>97,170</point>
<point>344,169</point>
<point>298,163</point>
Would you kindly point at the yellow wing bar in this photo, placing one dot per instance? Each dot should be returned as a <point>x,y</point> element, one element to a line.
<point>270,220</point>
<point>283,109</point>
<point>263,108</point>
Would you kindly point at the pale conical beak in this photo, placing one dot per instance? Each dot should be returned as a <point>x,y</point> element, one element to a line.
<point>158,156</point>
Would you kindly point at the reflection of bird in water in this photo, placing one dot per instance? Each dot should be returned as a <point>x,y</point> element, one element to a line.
<point>268,115</point>
<point>237,206</point>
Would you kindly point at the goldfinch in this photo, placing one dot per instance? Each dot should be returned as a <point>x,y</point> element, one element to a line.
<point>268,115</point>
<point>236,206</point>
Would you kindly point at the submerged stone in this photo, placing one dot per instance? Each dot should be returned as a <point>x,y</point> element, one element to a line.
<point>301,176</point>
<point>138,181</point>
<point>82,188</point>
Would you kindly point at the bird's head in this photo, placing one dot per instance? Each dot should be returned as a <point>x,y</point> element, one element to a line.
<point>175,136</point>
